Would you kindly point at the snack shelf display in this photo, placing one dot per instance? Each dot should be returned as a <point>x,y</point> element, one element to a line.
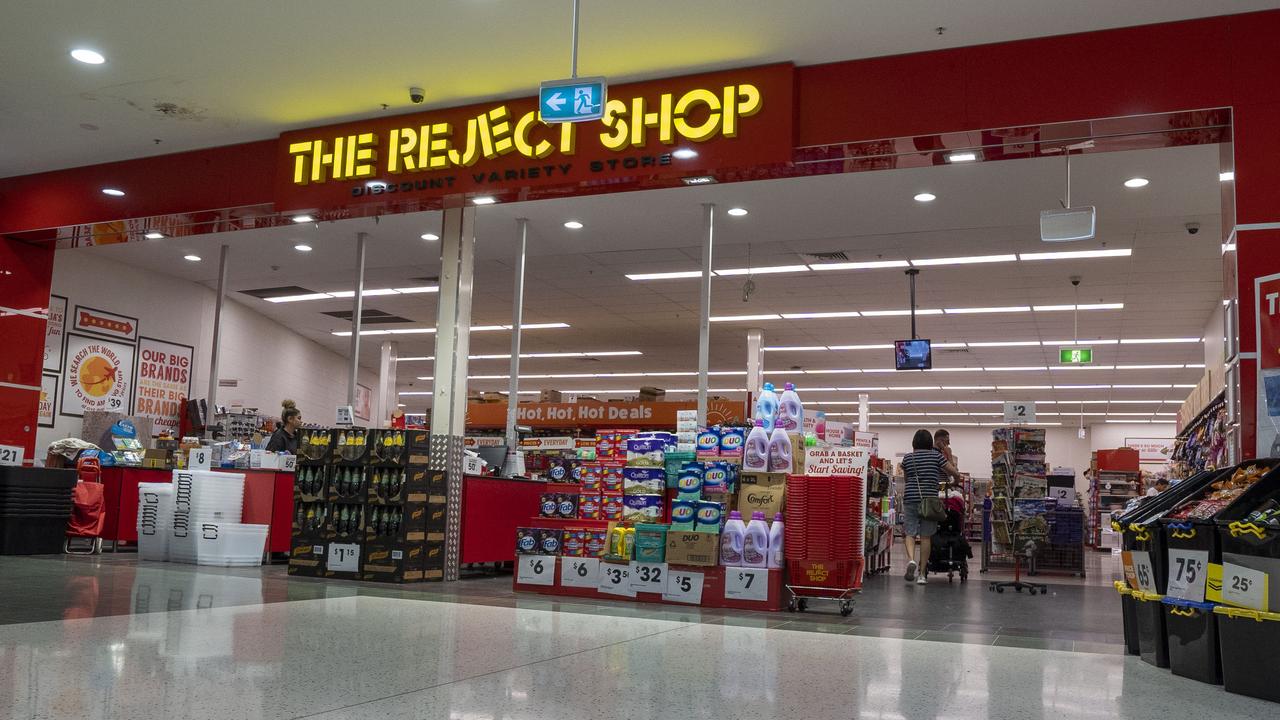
<point>367,507</point>
<point>1202,444</point>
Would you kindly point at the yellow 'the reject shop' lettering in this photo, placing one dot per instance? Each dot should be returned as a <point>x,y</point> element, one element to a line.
<point>697,116</point>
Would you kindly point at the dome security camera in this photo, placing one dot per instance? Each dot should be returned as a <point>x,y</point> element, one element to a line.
<point>417,95</point>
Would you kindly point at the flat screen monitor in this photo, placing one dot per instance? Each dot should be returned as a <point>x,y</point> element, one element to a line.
<point>495,456</point>
<point>912,355</point>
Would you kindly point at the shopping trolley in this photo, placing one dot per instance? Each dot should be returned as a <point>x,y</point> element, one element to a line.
<point>88,510</point>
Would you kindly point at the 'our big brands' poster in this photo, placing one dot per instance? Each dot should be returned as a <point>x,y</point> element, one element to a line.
<point>162,382</point>
<point>99,376</point>
<point>53,329</point>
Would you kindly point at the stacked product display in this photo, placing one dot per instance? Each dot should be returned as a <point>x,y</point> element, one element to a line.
<point>1116,484</point>
<point>197,519</point>
<point>367,507</point>
<point>693,516</point>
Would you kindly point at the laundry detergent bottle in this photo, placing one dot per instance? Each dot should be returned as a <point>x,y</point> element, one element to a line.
<point>755,543</point>
<point>775,542</point>
<point>779,451</point>
<point>755,454</point>
<point>731,540</point>
<point>790,411</point>
<point>767,407</point>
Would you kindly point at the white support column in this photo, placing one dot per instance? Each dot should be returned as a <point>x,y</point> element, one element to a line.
<point>704,318</point>
<point>864,412</point>
<point>212,399</point>
<point>755,366</point>
<point>357,313</point>
<point>387,399</point>
<point>449,389</point>
<point>517,320</point>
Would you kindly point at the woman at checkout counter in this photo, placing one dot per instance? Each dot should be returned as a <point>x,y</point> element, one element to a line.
<point>286,435</point>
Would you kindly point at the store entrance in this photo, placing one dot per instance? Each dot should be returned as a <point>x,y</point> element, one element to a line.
<point>808,274</point>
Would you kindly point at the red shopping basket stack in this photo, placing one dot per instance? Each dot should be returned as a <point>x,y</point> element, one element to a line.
<point>824,531</point>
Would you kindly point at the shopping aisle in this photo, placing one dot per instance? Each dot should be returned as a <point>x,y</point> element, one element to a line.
<point>387,658</point>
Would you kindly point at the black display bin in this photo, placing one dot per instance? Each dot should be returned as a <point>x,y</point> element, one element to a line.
<point>1202,534</point>
<point>35,504</point>
<point>1129,611</point>
<point>1139,531</point>
<point>1153,643</point>
<point>1239,536</point>
<point>1193,640</point>
<point>1249,639</point>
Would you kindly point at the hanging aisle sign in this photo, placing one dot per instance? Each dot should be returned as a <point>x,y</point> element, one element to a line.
<point>574,132</point>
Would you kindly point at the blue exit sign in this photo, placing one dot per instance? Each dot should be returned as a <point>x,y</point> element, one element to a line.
<point>576,100</point>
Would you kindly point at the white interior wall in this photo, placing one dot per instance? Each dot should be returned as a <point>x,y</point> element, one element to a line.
<point>1063,447</point>
<point>270,361</point>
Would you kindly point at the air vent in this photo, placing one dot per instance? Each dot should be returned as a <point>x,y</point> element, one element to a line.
<point>826,256</point>
<point>428,279</point>
<point>369,317</point>
<point>283,291</point>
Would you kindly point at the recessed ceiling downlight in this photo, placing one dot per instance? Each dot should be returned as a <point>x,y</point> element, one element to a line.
<point>87,56</point>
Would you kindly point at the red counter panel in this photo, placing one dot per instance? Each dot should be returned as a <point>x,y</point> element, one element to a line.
<point>492,509</point>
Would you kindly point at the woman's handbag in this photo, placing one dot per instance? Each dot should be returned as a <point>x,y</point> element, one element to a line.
<point>930,507</point>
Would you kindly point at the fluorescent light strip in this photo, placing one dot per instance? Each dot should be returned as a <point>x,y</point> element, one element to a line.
<point>339,294</point>
<point>872,265</point>
<point>1075,254</point>
<point>880,264</point>
<point>429,331</point>
<point>987,310</point>
<point>818,315</point>
<point>970,260</point>
<point>684,274</point>
<point>1094,306</point>
<point>1154,341</point>
<point>898,313</point>
<point>773,270</point>
<point>744,318</point>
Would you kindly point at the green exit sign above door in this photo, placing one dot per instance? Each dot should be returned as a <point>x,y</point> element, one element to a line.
<point>1075,355</point>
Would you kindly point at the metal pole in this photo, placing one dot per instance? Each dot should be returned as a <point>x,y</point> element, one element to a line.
<point>704,320</point>
<point>911,274</point>
<point>755,366</point>
<point>573,62</point>
<point>356,312</point>
<point>864,412</point>
<point>517,319</point>
<point>217,337</point>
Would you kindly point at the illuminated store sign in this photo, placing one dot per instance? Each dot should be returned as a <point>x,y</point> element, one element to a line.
<point>667,119</point>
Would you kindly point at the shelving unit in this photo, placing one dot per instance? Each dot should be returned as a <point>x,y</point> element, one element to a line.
<point>1202,444</point>
<point>1115,481</point>
<point>1017,472</point>
<point>878,543</point>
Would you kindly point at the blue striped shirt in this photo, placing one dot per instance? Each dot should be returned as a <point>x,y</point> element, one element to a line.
<point>922,471</point>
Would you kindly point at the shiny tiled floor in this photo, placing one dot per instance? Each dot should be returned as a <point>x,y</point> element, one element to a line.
<point>112,638</point>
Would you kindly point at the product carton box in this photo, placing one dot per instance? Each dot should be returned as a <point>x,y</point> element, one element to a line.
<point>433,557</point>
<point>693,548</point>
<point>392,562</point>
<point>550,396</point>
<point>437,510</point>
<point>418,442</point>
<point>420,479</point>
<point>306,555</point>
<point>761,498</point>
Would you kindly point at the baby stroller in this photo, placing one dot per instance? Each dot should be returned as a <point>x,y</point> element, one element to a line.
<point>950,551</point>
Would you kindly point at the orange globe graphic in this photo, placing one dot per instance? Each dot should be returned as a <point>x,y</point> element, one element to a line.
<point>97,376</point>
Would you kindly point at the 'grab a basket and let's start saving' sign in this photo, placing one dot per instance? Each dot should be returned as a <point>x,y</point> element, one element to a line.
<point>836,461</point>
